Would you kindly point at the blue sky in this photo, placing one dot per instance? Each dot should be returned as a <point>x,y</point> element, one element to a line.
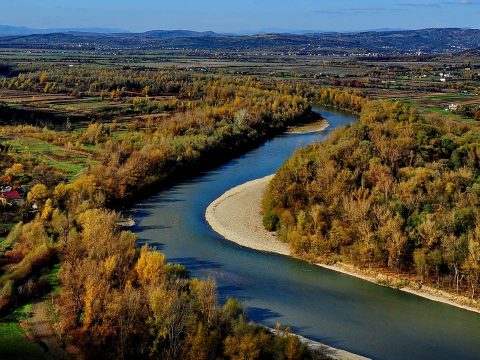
<point>241,16</point>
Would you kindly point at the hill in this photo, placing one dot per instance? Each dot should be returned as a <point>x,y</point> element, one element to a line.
<point>425,41</point>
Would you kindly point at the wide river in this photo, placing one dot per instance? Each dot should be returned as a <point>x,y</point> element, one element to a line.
<point>336,309</point>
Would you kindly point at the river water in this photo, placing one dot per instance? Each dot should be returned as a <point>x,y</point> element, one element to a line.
<point>336,309</point>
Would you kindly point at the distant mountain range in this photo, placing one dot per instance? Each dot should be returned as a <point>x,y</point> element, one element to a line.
<point>381,42</point>
<point>8,30</point>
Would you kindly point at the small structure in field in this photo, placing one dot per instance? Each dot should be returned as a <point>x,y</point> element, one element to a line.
<point>453,107</point>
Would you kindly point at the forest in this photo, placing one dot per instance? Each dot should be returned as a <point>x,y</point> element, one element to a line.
<point>112,299</point>
<point>397,192</point>
<point>121,133</point>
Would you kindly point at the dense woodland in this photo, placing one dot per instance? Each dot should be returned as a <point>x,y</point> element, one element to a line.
<point>396,191</point>
<point>115,300</point>
<point>210,118</point>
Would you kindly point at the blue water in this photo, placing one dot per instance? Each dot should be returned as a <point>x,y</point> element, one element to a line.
<point>323,305</point>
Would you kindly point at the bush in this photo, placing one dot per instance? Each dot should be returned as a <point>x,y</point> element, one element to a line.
<point>270,221</point>
<point>6,294</point>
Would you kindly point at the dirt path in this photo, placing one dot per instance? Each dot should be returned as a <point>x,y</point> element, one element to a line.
<point>41,330</point>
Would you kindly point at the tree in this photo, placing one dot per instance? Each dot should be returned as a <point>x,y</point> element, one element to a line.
<point>150,267</point>
<point>471,265</point>
<point>169,309</point>
<point>47,210</point>
<point>146,90</point>
<point>396,241</point>
<point>127,313</point>
<point>421,264</point>
<point>206,298</point>
<point>435,260</point>
<point>38,194</point>
<point>60,225</point>
<point>43,78</point>
<point>72,292</point>
<point>242,347</point>
<point>455,252</point>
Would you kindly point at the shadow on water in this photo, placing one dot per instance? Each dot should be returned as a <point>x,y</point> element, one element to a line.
<point>262,315</point>
<point>153,244</point>
<point>226,292</point>
<point>140,228</point>
<point>161,200</point>
<point>147,208</point>
<point>195,264</point>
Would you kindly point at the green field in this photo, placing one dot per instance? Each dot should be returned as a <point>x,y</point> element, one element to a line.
<point>13,342</point>
<point>69,163</point>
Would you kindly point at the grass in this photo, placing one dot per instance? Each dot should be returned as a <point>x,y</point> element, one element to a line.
<point>52,278</point>
<point>441,111</point>
<point>450,96</point>
<point>13,342</point>
<point>3,245</point>
<point>70,164</point>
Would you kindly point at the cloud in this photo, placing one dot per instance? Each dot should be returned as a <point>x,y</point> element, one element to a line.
<point>461,2</point>
<point>420,5</point>
<point>438,4</point>
<point>354,10</point>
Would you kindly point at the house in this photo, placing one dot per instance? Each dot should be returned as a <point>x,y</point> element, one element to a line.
<point>453,107</point>
<point>11,197</point>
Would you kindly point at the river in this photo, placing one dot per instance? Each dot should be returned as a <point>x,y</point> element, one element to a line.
<point>323,305</point>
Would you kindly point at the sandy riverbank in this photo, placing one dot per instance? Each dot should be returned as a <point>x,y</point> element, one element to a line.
<point>236,215</point>
<point>316,126</point>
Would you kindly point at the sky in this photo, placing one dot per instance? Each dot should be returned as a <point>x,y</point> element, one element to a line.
<point>233,16</point>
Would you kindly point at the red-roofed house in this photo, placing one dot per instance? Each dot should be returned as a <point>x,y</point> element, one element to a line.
<point>11,196</point>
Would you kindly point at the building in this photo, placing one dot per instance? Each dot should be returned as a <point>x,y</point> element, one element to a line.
<point>9,197</point>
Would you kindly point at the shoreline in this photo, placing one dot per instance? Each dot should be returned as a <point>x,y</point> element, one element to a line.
<point>243,204</point>
<point>325,350</point>
<point>246,230</point>
<point>313,127</point>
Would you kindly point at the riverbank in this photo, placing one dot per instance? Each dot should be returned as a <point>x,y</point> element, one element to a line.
<point>236,215</point>
<point>309,128</point>
<point>325,350</point>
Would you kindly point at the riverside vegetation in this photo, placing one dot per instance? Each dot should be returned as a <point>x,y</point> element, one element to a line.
<point>397,192</point>
<point>111,299</point>
<point>81,140</point>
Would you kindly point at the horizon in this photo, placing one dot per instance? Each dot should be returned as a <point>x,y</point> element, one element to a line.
<point>106,30</point>
<point>247,17</point>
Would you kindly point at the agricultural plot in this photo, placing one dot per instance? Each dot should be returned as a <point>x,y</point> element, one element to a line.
<point>70,162</point>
